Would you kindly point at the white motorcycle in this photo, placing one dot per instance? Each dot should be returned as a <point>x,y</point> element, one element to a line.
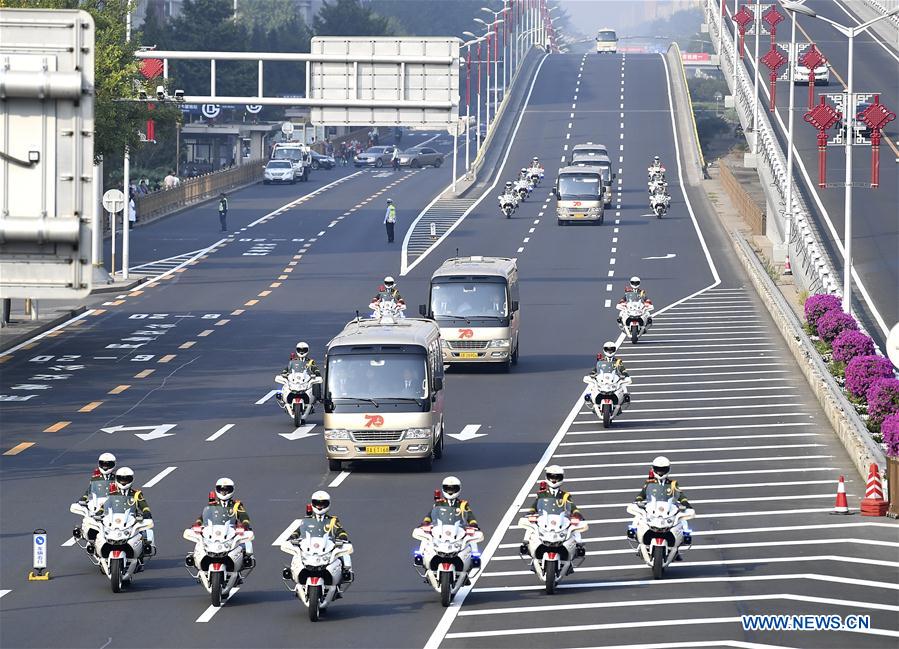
<point>522,188</point>
<point>551,542</point>
<point>656,187</point>
<point>387,309</point>
<point>606,392</point>
<point>218,558</point>
<point>447,555</point>
<point>655,173</point>
<point>535,175</point>
<point>118,546</point>
<point>659,203</point>
<point>634,319</point>
<point>92,510</point>
<point>296,397</point>
<point>508,203</point>
<point>315,574</point>
<point>659,532</point>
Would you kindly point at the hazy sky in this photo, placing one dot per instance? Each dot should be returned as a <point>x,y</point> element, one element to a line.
<point>591,15</point>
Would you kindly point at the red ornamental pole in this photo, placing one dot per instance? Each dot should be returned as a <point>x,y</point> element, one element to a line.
<point>822,117</point>
<point>822,158</point>
<point>774,60</point>
<point>811,59</point>
<point>876,117</point>
<point>772,16</point>
<point>743,17</point>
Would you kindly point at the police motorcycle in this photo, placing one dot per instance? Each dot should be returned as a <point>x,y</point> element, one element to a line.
<point>114,537</point>
<point>315,574</point>
<point>92,510</point>
<point>522,185</point>
<point>447,555</point>
<point>296,397</point>
<point>659,202</point>
<point>535,173</point>
<point>656,186</point>
<point>218,561</point>
<point>634,319</point>
<point>508,201</point>
<point>659,531</point>
<point>387,308</point>
<point>605,392</point>
<point>550,541</point>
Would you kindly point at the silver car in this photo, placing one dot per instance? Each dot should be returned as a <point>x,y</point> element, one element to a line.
<point>421,157</point>
<point>376,156</point>
<point>279,171</point>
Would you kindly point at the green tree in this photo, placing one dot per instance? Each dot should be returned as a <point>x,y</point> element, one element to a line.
<point>349,18</point>
<point>435,17</point>
<point>116,123</point>
<point>266,15</point>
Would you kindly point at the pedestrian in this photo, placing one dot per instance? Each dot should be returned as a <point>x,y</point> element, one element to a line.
<point>395,158</point>
<point>132,212</point>
<point>223,211</point>
<point>169,181</point>
<point>390,220</point>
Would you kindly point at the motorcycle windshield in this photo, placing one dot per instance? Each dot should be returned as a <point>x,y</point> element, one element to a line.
<point>118,505</point>
<point>633,298</point>
<point>215,515</point>
<point>296,367</point>
<point>657,492</point>
<point>605,367</point>
<point>446,515</point>
<point>99,489</point>
<point>551,506</point>
<point>311,527</point>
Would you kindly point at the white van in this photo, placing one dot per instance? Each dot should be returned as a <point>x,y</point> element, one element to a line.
<point>300,157</point>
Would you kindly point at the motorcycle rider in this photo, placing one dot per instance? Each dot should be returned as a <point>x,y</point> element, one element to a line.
<point>105,472</point>
<point>319,505</point>
<point>123,485</point>
<point>660,486</point>
<point>535,163</point>
<point>633,286</point>
<point>656,167</point>
<point>388,291</point>
<point>552,488</point>
<point>301,357</point>
<point>509,196</point>
<point>608,356</point>
<point>223,496</point>
<point>449,495</point>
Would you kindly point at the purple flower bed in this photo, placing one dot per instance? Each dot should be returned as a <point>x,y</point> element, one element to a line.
<point>833,323</point>
<point>890,431</point>
<point>850,343</point>
<point>819,304</point>
<point>883,399</point>
<point>862,371</point>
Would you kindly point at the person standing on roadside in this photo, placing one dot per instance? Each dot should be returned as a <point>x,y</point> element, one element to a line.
<point>395,158</point>
<point>390,219</point>
<point>223,211</point>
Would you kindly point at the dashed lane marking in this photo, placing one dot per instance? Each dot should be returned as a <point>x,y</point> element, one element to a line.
<point>58,426</point>
<point>119,389</point>
<point>221,431</point>
<point>18,448</point>
<point>167,358</point>
<point>155,480</point>
<point>90,407</point>
<point>143,374</point>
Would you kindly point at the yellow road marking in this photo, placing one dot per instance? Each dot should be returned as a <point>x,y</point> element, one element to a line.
<point>29,346</point>
<point>117,303</point>
<point>188,344</point>
<point>93,405</point>
<point>287,270</point>
<point>282,276</point>
<point>54,334</point>
<point>58,426</point>
<point>292,263</point>
<point>3,359</point>
<point>98,311</point>
<point>205,333</point>
<point>237,311</point>
<point>18,448</point>
<point>77,323</point>
<point>265,293</point>
<point>119,389</point>
<point>152,285</point>
<point>166,358</point>
<point>222,322</point>
<point>180,270</point>
<point>251,302</point>
<point>143,374</point>
<point>274,285</point>
<point>135,293</point>
<point>298,257</point>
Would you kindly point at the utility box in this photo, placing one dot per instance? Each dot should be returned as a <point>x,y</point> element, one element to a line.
<point>46,153</point>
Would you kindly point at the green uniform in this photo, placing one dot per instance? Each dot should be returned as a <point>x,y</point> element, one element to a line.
<point>464,510</point>
<point>663,490</point>
<point>308,364</point>
<point>96,478</point>
<point>237,510</point>
<point>617,364</point>
<point>562,497</point>
<point>332,527</point>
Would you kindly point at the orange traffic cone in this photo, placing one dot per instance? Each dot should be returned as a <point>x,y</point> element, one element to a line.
<point>873,503</point>
<point>842,505</point>
<point>787,268</point>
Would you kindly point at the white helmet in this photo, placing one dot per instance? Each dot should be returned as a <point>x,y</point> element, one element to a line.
<point>555,475</point>
<point>523,170</point>
<point>635,282</point>
<point>656,159</point>
<point>106,464</point>
<point>660,467</point>
<point>224,488</point>
<point>451,487</point>
<point>608,349</point>
<point>321,502</point>
<point>508,183</point>
<point>389,282</point>
<point>124,479</point>
<point>536,159</point>
<point>302,349</point>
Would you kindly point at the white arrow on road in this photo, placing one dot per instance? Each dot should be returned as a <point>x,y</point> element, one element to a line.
<point>270,394</point>
<point>670,255</point>
<point>302,432</point>
<point>468,432</point>
<point>156,432</point>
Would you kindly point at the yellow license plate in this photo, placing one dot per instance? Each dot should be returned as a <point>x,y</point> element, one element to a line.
<point>468,355</point>
<point>377,450</point>
<point>579,215</point>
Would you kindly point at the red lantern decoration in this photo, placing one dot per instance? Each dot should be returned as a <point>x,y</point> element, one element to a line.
<point>876,116</point>
<point>151,68</point>
<point>811,59</point>
<point>743,17</point>
<point>822,117</point>
<point>772,17</point>
<point>774,60</point>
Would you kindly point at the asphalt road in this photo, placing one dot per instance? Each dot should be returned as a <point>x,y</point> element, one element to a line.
<point>199,350</point>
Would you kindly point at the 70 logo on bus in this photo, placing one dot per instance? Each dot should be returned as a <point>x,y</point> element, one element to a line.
<point>466,333</point>
<point>374,421</point>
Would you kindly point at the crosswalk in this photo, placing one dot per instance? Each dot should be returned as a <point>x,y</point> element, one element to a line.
<point>154,268</point>
<point>432,225</point>
<point>713,391</point>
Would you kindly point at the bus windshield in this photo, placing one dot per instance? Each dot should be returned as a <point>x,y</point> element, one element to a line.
<point>579,186</point>
<point>378,377</point>
<point>607,36</point>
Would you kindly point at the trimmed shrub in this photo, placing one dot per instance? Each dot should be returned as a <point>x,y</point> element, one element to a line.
<point>819,304</point>
<point>862,371</point>
<point>890,431</point>
<point>833,323</point>
<point>883,400</point>
<point>850,343</point>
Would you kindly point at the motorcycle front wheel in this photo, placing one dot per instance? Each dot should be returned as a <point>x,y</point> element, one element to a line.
<point>115,574</point>
<point>634,335</point>
<point>658,562</point>
<point>314,600</point>
<point>298,414</point>
<point>606,415</point>
<point>215,588</point>
<point>446,588</point>
<point>551,568</point>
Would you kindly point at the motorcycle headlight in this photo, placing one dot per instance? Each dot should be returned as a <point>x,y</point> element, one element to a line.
<point>593,211</point>
<point>337,433</point>
<point>502,342</point>
<point>418,433</point>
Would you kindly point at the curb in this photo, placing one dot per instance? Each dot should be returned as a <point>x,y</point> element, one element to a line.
<point>137,281</point>
<point>847,425</point>
<point>42,328</point>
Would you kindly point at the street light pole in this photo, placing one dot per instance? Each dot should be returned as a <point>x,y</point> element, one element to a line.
<point>788,225</point>
<point>736,44</point>
<point>126,179</point>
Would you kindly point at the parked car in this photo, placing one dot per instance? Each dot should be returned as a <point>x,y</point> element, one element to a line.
<point>376,156</point>
<point>420,157</point>
<point>822,75</point>
<point>322,161</point>
<point>279,171</point>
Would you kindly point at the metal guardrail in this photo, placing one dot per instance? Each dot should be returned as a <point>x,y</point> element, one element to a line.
<point>805,244</point>
<point>883,6</point>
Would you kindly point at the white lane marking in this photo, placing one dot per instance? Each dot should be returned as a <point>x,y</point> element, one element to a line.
<point>155,480</point>
<point>287,532</point>
<point>319,234</point>
<point>336,482</point>
<point>302,199</point>
<point>468,432</point>
<point>614,250</point>
<point>735,460</point>
<point>728,390</point>
<point>332,224</point>
<point>531,231</point>
<point>569,124</point>
<point>221,431</point>
<point>669,451</point>
<point>302,432</point>
<point>611,273</point>
<point>5,592</point>
<point>268,396</point>
<point>608,287</point>
<point>565,147</point>
<point>69,543</point>
<point>571,116</point>
<point>212,610</point>
<point>642,476</point>
<point>537,221</point>
<point>521,249</point>
<point>607,304</point>
<point>665,429</point>
<point>694,488</point>
<point>612,261</point>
